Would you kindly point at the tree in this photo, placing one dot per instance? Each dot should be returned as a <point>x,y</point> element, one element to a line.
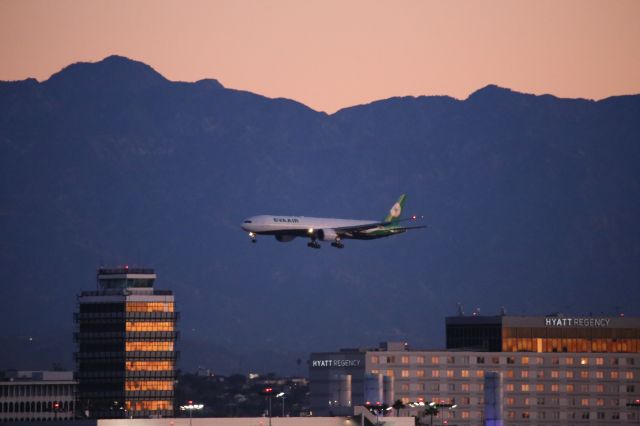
<point>398,405</point>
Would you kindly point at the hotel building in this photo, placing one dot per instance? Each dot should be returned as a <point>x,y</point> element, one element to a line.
<point>126,335</point>
<point>552,371</point>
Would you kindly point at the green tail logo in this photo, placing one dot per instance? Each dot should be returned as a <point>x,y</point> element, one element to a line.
<point>396,210</point>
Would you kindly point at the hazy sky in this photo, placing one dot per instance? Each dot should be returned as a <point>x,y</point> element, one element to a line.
<point>331,54</point>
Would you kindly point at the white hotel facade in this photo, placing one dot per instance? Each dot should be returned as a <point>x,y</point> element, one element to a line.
<point>552,372</point>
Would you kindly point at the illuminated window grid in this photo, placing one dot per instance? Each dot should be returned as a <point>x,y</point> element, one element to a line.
<point>610,345</point>
<point>148,385</point>
<point>150,307</point>
<point>149,365</point>
<point>150,326</point>
<point>148,346</point>
<point>147,405</point>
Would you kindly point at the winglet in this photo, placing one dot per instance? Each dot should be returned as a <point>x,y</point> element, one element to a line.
<point>396,210</point>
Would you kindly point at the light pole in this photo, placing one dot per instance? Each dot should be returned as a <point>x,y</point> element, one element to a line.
<point>190,407</point>
<point>283,396</point>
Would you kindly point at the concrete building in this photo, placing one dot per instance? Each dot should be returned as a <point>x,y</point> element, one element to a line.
<point>126,335</point>
<point>37,396</point>
<point>550,371</point>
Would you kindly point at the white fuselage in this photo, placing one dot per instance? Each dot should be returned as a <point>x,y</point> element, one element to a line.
<point>267,224</point>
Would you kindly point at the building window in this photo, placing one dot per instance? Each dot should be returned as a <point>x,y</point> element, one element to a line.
<point>555,361</point>
<point>420,359</point>
<point>479,373</point>
<point>584,402</point>
<point>570,387</point>
<point>554,388</point>
<point>451,360</point>
<point>540,400</point>
<point>495,360</point>
<point>631,388</point>
<point>599,375</point>
<point>584,361</point>
<point>404,359</point>
<point>599,361</point>
<point>435,373</point>
<point>511,401</point>
<point>628,375</point>
<point>524,387</point>
<point>510,373</point>
<point>555,374</point>
<point>390,373</point>
<point>615,375</point>
<point>569,375</point>
<point>464,387</point>
<point>464,373</point>
<point>511,360</point>
<point>509,387</point>
<point>449,373</point>
<point>435,360</point>
<point>404,373</point>
<point>600,388</point>
<point>404,387</point>
<point>600,402</point>
<point>480,360</point>
<point>525,360</point>
<point>568,361</point>
<point>391,359</point>
<point>631,361</point>
<point>524,374</point>
<point>419,373</point>
<point>540,387</point>
<point>375,359</point>
<point>584,374</point>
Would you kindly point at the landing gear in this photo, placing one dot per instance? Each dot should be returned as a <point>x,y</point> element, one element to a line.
<point>313,244</point>
<point>253,237</point>
<point>337,244</point>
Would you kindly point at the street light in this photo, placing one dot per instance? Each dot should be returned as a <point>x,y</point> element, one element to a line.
<point>283,396</point>
<point>190,407</point>
<point>268,392</point>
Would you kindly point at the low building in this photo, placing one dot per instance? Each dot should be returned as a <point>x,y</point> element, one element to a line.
<point>549,370</point>
<point>37,396</point>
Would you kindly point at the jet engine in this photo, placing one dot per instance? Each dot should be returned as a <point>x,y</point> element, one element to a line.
<point>285,238</point>
<point>327,234</point>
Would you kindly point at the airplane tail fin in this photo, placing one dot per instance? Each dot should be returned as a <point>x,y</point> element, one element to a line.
<point>396,210</point>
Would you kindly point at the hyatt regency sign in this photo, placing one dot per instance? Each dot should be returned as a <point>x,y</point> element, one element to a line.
<point>577,322</point>
<point>335,363</point>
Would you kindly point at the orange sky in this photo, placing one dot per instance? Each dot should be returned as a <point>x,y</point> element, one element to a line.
<point>331,54</point>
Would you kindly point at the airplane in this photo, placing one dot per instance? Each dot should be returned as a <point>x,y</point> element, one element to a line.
<point>286,228</point>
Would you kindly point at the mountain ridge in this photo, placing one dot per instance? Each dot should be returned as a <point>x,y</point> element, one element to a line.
<point>530,201</point>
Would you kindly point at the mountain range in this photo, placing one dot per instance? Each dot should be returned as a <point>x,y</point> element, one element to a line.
<point>531,202</point>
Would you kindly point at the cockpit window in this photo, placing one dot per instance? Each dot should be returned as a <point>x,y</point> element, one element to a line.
<point>247,221</point>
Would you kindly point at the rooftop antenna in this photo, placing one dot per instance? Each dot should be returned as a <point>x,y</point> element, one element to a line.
<point>460,311</point>
<point>503,311</point>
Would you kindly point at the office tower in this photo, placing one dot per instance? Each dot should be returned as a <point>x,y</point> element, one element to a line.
<point>126,336</point>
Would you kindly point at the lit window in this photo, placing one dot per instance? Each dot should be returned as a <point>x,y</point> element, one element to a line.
<point>449,373</point>
<point>555,374</point>
<point>390,373</point>
<point>584,361</point>
<point>479,373</point>
<point>404,373</point>
<point>148,385</point>
<point>420,359</point>
<point>554,388</point>
<point>150,306</point>
<point>464,373</point>
<point>568,361</point>
<point>464,387</point>
<point>404,359</point>
<point>570,388</point>
<point>584,374</point>
<point>540,387</point>
<point>435,373</point>
<point>149,346</point>
<point>599,375</point>
<point>435,360</point>
<point>628,375</point>
<point>524,374</point>
<point>600,402</point>
<point>509,387</point>
<point>511,401</point>
<point>584,402</point>
<point>149,365</point>
<point>375,359</point>
<point>569,374</point>
<point>525,360</point>
<point>599,361</point>
<point>149,326</point>
<point>615,375</point>
<point>524,387</point>
<point>419,373</point>
<point>148,405</point>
